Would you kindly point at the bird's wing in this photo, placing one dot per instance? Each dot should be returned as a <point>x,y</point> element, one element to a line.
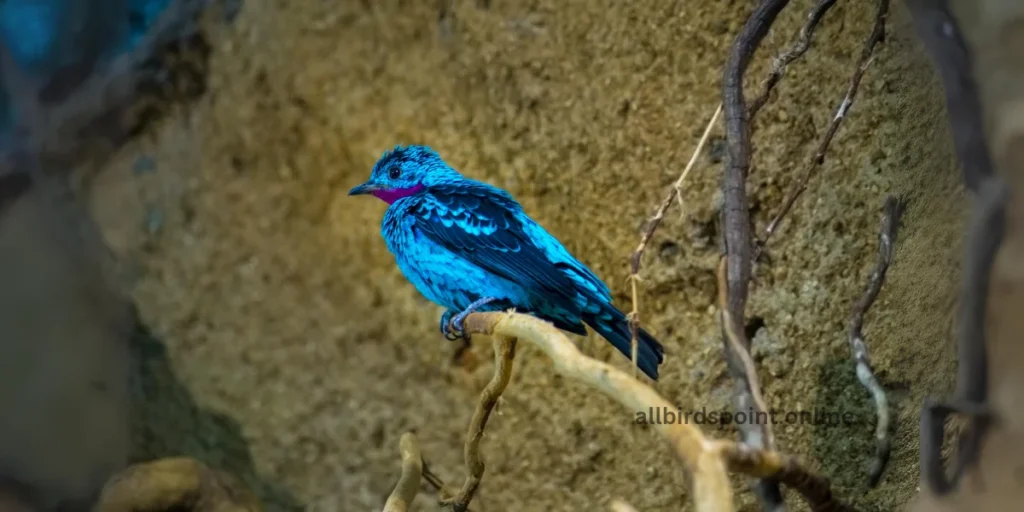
<point>480,223</point>
<point>560,256</point>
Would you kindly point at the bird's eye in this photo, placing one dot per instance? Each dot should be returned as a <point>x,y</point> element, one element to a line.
<point>394,173</point>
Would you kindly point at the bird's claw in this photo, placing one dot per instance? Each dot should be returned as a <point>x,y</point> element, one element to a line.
<point>454,333</point>
<point>446,318</point>
<point>451,327</point>
<point>452,324</point>
<point>456,327</point>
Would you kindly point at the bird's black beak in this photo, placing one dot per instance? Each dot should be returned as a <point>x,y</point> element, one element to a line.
<point>365,188</point>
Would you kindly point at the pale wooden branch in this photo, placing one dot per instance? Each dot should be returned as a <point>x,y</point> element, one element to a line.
<point>741,367</point>
<point>621,506</point>
<point>179,483</point>
<point>705,459</point>
<point>412,472</point>
<point>504,353</point>
<point>711,485</point>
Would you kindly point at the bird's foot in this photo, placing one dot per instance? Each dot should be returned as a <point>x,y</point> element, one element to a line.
<point>446,322</point>
<point>452,325</point>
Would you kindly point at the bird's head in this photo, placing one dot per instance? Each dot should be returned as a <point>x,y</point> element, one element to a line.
<point>405,171</point>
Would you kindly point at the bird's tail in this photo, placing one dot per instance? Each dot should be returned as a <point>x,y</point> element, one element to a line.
<point>613,326</point>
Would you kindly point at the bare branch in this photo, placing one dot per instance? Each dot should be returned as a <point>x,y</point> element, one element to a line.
<point>951,57</point>
<point>736,223</point>
<point>674,194</point>
<point>784,59</point>
<point>866,56</point>
<point>705,459</point>
<point>744,373</point>
<point>710,483</point>
<point>736,210</point>
<point>171,484</point>
<point>892,212</point>
<point>431,478</point>
<point>984,238</point>
<point>412,471</point>
<point>504,353</point>
<point>815,489</point>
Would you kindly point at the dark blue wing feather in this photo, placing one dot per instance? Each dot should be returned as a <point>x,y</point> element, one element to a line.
<point>479,223</point>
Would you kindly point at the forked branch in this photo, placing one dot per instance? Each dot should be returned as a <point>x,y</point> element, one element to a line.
<point>504,354</point>
<point>705,459</point>
<point>818,158</point>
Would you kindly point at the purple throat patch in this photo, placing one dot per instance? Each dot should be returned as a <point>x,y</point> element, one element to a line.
<point>390,195</point>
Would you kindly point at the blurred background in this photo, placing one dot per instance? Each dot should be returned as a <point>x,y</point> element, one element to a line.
<point>184,275</point>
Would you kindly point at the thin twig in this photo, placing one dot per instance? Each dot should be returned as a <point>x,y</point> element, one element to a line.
<point>504,353</point>
<point>412,471</point>
<point>984,238</point>
<point>892,211</point>
<point>436,482</point>
<point>784,59</point>
<point>431,478</point>
<point>738,344</point>
<point>705,459</point>
<point>736,223</point>
<point>674,194</point>
<point>951,57</point>
<point>877,36</point>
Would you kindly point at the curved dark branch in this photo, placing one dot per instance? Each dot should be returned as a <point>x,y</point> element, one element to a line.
<point>943,40</point>
<point>736,223</point>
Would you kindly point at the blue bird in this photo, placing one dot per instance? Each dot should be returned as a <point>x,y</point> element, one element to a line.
<point>468,246</point>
